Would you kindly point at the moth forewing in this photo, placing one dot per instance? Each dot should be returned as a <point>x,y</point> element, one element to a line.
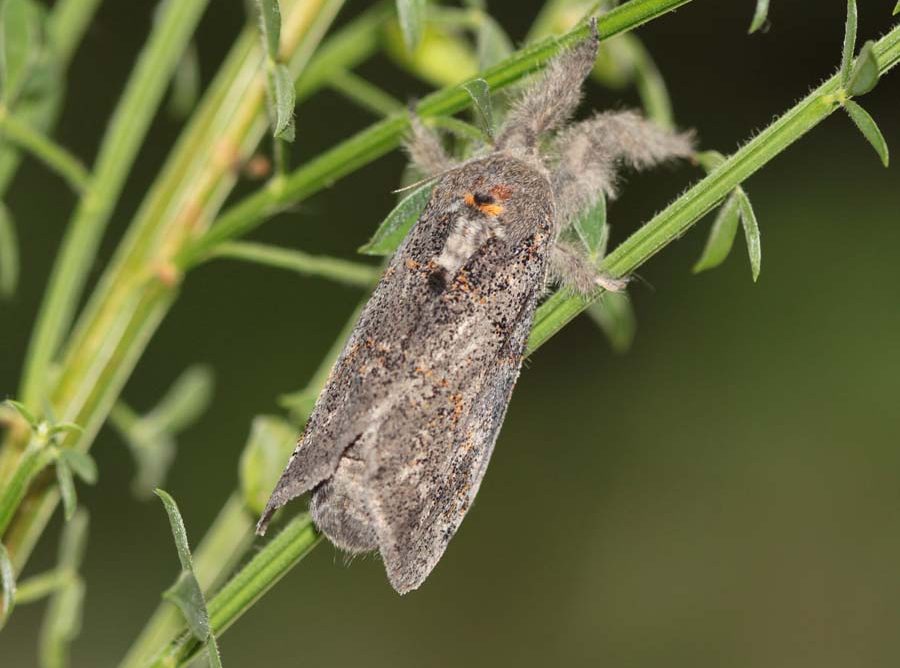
<point>398,442</point>
<point>397,445</point>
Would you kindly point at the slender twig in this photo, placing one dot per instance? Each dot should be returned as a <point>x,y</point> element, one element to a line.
<point>69,20</point>
<point>44,149</point>
<point>138,287</point>
<point>32,461</point>
<point>673,221</point>
<point>368,96</point>
<point>335,269</point>
<point>124,136</point>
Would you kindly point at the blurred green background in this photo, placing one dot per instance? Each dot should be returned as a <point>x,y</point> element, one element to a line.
<point>728,493</point>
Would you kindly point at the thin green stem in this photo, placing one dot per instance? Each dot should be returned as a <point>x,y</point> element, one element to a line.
<point>221,549</point>
<point>68,21</point>
<point>140,285</point>
<point>124,136</point>
<point>673,221</point>
<point>383,137</point>
<point>42,585</point>
<point>32,461</point>
<point>342,271</point>
<point>269,565</point>
<point>347,48</point>
<point>366,95</point>
<point>44,149</point>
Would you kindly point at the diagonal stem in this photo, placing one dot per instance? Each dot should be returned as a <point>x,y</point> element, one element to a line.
<point>673,221</point>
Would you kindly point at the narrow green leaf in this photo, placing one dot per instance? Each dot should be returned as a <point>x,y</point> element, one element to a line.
<point>19,45</point>
<point>9,254</point>
<point>849,44</point>
<point>178,531</point>
<point>65,428</point>
<point>412,22</point>
<point>268,447</point>
<point>870,130</point>
<point>22,410</point>
<point>897,9</point>
<point>282,84</point>
<point>480,92</point>
<point>760,15</point>
<point>402,217</point>
<point>865,73</point>
<point>212,650</point>
<point>8,582</point>
<point>81,464</point>
<point>614,314</point>
<point>62,624</point>
<point>493,43</point>
<point>151,445</point>
<point>185,84</point>
<point>270,26</point>
<point>721,236</point>
<point>62,621</point>
<point>66,488</point>
<point>187,595</point>
<point>751,232</point>
<point>185,401</point>
<point>73,542</point>
<point>592,230</point>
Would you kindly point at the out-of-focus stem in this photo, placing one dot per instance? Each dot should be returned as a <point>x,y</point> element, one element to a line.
<point>138,288</point>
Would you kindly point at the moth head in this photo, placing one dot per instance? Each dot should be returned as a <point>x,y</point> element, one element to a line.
<point>488,202</point>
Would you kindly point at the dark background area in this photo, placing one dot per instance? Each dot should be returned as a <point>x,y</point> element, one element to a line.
<point>728,493</point>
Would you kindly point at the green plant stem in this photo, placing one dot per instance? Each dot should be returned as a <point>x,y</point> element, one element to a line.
<point>69,20</point>
<point>335,269</point>
<point>673,221</point>
<point>124,136</point>
<point>270,564</point>
<point>51,154</point>
<point>223,546</point>
<point>42,585</point>
<point>348,47</point>
<point>383,137</point>
<point>137,289</point>
<point>32,461</point>
<point>370,97</point>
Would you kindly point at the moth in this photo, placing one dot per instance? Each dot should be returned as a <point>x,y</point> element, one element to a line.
<point>399,440</point>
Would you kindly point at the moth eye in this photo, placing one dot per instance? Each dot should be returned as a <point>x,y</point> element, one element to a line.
<point>481,199</point>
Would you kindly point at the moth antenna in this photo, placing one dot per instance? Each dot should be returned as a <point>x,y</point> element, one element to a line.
<point>550,101</point>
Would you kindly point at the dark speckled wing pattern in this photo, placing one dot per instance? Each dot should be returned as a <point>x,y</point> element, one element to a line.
<point>400,438</point>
